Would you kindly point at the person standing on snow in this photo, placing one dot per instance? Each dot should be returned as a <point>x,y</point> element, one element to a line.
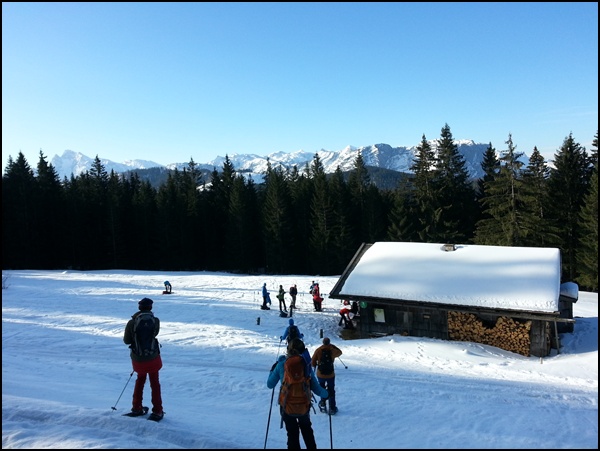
<point>326,372</point>
<point>293,294</point>
<point>317,298</point>
<point>281,298</point>
<point>292,331</point>
<point>296,424</point>
<point>140,334</point>
<point>265,295</point>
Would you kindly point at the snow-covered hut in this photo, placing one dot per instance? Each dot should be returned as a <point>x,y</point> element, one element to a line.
<point>508,297</point>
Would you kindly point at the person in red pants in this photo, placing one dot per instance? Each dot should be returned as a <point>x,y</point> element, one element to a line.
<point>140,334</point>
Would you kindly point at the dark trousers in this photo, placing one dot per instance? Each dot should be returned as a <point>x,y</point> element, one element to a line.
<point>329,385</point>
<point>296,425</point>
<point>147,369</point>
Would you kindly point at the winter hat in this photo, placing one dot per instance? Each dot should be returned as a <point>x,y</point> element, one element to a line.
<point>145,304</point>
<point>296,347</point>
<point>291,321</point>
<point>326,341</point>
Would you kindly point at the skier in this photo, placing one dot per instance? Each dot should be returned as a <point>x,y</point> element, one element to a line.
<point>293,294</point>
<point>292,331</point>
<point>266,298</point>
<point>145,359</point>
<point>296,424</point>
<point>281,298</point>
<point>326,372</point>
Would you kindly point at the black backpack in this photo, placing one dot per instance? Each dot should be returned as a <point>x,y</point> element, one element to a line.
<point>144,342</point>
<point>293,332</point>
<point>326,362</point>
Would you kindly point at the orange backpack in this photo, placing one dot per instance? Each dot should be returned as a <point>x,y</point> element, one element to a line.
<point>295,395</point>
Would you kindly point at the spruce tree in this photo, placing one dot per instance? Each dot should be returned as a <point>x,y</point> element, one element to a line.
<point>276,220</point>
<point>321,222</point>
<point>567,186</point>
<point>507,220</point>
<point>541,231</point>
<point>50,213</point>
<point>18,213</point>
<point>454,196</point>
<point>424,195</point>
<point>587,255</point>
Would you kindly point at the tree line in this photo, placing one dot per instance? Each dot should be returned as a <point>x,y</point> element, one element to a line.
<point>300,220</point>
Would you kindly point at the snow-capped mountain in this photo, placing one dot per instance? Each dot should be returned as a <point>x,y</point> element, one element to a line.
<point>76,163</point>
<point>378,155</point>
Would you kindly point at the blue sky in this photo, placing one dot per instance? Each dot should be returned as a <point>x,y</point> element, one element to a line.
<point>172,81</point>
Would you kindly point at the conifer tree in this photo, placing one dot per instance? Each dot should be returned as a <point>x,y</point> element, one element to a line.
<point>567,186</point>
<point>275,219</point>
<point>18,213</point>
<point>367,214</point>
<point>508,219</point>
<point>587,255</point>
<point>402,213</point>
<point>50,216</point>
<point>535,176</point>
<point>144,228</point>
<point>342,248</point>
<point>243,235</point>
<point>454,196</point>
<point>301,190</point>
<point>321,208</point>
<point>424,196</point>
<point>490,167</point>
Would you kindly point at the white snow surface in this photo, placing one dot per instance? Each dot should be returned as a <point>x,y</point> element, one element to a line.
<point>66,371</point>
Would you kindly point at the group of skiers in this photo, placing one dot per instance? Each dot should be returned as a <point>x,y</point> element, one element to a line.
<point>296,372</point>
<point>314,290</point>
<point>297,381</point>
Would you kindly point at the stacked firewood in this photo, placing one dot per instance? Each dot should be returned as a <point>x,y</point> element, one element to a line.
<point>506,334</point>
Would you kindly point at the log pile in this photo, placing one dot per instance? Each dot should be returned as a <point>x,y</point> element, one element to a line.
<point>506,334</point>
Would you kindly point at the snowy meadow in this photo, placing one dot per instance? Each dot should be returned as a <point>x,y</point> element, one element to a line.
<point>67,376</point>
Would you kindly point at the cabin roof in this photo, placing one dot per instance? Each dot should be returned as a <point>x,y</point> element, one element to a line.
<point>494,277</point>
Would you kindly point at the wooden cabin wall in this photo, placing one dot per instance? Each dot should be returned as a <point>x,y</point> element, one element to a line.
<point>525,337</point>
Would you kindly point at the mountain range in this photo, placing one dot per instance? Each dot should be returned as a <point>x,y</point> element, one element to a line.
<point>381,156</point>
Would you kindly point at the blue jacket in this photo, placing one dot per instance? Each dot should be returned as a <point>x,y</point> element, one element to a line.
<point>277,374</point>
<point>264,291</point>
<point>287,331</point>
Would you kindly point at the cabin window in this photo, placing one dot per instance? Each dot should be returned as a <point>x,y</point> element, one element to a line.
<point>379,315</point>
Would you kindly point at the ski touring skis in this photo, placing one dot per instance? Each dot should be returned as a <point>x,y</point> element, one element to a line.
<point>155,417</point>
<point>143,412</point>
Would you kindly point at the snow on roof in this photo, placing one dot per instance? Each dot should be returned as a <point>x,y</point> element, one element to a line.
<point>496,277</point>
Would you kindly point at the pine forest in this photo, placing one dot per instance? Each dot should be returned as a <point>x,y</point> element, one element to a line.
<point>301,221</point>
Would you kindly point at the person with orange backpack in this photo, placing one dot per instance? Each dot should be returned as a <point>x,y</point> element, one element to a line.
<point>298,381</point>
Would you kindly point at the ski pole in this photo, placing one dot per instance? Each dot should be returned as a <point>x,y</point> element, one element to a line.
<point>272,396</point>
<point>342,363</point>
<point>115,406</point>
<point>269,420</point>
<point>330,430</point>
